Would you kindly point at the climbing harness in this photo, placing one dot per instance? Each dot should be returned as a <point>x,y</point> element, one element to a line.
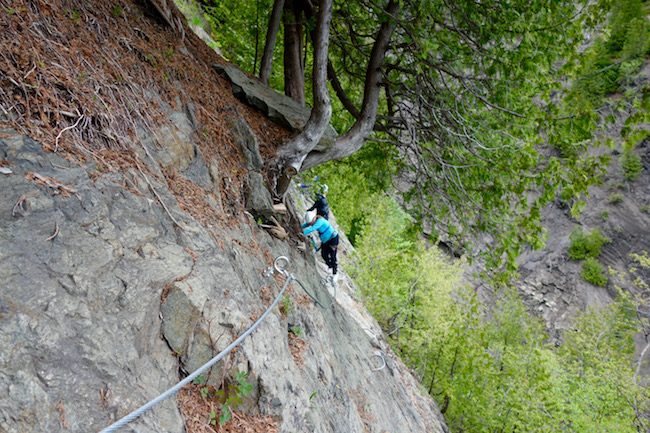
<point>279,266</point>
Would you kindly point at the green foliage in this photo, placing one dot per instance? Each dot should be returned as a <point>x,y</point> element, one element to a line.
<point>239,29</point>
<point>593,272</point>
<point>286,305</point>
<point>586,245</point>
<point>238,389</point>
<point>598,371</point>
<point>297,331</point>
<point>640,272</point>
<point>615,58</point>
<point>492,369</point>
<point>615,198</point>
<point>622,23</point>
<point>194,14</point>
<point>598,75</point>
<point>476,158</point>
<point>631,165</point>
<point>356,184</point>
<point>74,15</point>
<point>230,396</point>
<point>117,11</point>
<point>637,41</point>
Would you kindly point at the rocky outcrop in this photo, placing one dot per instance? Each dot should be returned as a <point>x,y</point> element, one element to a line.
<point>278,107</point>
<point>551,281</point>
<point>105,302</point>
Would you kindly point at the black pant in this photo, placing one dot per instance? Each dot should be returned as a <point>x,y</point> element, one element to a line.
<point>328,251</point>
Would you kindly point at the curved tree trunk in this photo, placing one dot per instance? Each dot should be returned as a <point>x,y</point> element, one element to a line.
<point>271,36</point>
<point>292,154</point>
<point>352,140</point>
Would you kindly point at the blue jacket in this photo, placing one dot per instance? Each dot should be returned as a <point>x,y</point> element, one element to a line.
<point>324,228</point>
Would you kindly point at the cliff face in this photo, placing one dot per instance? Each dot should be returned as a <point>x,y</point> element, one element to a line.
<point>129,254</point>
<point>551,282</point>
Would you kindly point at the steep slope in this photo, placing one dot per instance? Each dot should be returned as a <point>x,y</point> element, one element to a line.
<point>551,282</point>
<point>128,257</point>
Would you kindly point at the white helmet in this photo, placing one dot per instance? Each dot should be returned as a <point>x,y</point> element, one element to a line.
<point>309,216</point>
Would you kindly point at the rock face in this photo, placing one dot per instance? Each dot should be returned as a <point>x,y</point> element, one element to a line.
<point>276,106</point>
<point>105,302</point>
<point>551,282</point>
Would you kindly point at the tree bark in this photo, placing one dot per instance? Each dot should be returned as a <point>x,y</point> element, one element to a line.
<point>271,36</point>
<point>352,141</point>
<point>292,154</point>
<point>294,73</point>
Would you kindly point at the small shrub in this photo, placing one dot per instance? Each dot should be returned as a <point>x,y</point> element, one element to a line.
<point>615,198</point>
<point>584,245</point>
<point>117,11</point>
<point>628,71</point>
<point>631,164</point>
<point>75,15</point>
<point>604,215</point>
<point>239,389</point>
<point>636,41</point>
<point>168,53</point>
<point>286,305</point>
<point>593,272</point>
<point>599,74</point>
<point>645,208</point>
<point>296,330</point>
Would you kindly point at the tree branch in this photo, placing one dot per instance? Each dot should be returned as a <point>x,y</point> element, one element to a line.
<point>353,139</point>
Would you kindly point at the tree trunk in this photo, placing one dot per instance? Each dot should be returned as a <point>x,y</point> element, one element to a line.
<point>292,154</point>
<point>271,35</point>
<point>352,141</point>
<point>294,73</point>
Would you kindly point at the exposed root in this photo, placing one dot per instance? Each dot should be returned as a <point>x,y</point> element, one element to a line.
<point>55,233</point>
<point>54,185</point>
<point>160,200</point>
<point>19,207</point>
<point>56,141</point>
<point>91,104</point>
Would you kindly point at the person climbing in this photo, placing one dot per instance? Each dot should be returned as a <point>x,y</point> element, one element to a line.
<point>329,238</point>
<point>321,206</point>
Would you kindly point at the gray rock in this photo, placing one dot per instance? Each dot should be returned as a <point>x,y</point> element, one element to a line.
<point>179,319</point>
<point>88,331</point>
<point>258,198</point>
<point>247,142</point>
<point>198,171</point>
<point>279,108</point>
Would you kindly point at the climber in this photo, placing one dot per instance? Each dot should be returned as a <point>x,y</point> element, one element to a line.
<point>321,206</point>
<point>329,238</point>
